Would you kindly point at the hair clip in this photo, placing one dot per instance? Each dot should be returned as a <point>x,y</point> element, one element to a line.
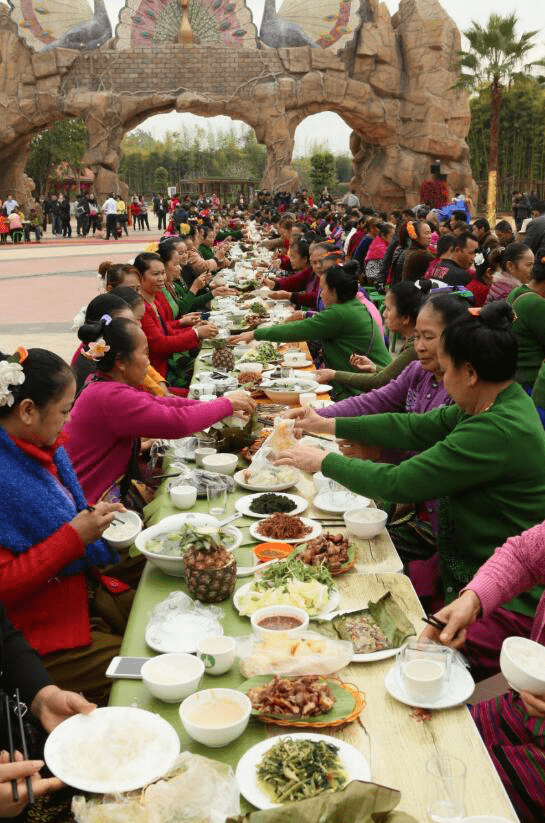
<point>106,319</point>
<point>474,311</point>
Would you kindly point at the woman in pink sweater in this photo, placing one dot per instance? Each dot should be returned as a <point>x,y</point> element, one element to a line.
<point>113,412</point>
<point>512,725</point>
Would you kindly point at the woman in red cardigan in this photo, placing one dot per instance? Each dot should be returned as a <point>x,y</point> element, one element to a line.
<point>301,287</point>
<point>165,338</point>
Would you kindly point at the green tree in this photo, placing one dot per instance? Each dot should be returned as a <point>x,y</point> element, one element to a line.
<point>160,179</point>
<point>343,168</point>
<point>322,171</point>
<point>63,143</point>
<point>492,62</point>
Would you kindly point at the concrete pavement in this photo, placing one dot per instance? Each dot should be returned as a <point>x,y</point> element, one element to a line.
<point>44,285</point>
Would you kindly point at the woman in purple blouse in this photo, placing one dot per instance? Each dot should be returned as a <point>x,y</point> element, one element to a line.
<point>417,389</point>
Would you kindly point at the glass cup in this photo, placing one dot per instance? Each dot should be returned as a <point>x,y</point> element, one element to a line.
<point>425,668</point>
<point>285,372</point>
<point>207,387</point>
<point>446,779</point>
<point>216,494</point>
<point>307,398</point>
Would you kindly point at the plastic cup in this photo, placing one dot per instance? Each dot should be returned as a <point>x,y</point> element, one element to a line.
<point>216,494</point>
<point>446,779</point>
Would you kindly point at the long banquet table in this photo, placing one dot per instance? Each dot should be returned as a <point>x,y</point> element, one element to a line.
<point>391,735</point>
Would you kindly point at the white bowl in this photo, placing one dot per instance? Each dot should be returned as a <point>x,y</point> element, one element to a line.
<point>520,661</point>
<point>183,496</point>
<point>285,395</point>
<point>220,463</point>
<point>122,535</point>
<point>365,522</point>
<point>173,677</point>
<point>250,367</point>
<point>294,358</point>
<point>278,611</point>
<point>218,735</point>
<point>175,565</point>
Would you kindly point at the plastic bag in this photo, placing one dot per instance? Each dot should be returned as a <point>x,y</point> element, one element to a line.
<point>197,790</point>
<point>179,622</point>
<point>263,472</point>
<point>305,653</point>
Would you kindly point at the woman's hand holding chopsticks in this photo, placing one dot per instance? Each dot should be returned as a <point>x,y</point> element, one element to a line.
<point>19,771</point>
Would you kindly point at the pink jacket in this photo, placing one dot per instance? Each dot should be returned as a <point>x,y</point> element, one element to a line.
<point>377,250</point>
<point>108,416</point>
<point>515,567</point>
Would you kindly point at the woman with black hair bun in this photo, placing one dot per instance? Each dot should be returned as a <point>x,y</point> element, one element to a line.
<point>515,267</point>
<point>484,457</point>
<point>402,304</point>
<point>528,302</point>
<point>344,326</point>
<point>113,412</point>
<point>108,303</point>
<point>49,536</point>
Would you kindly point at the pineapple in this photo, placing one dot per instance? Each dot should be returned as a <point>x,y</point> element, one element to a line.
<point>210,570</point>
<point>222,357</point>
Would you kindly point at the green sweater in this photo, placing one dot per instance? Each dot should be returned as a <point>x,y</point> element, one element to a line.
<point>344,329</point>
<point>367,382</point>
<point>188,301</point>
<point>529,327</point>
<point>490,467</point>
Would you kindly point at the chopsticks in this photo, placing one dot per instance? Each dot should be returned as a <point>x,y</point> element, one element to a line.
<point>116,521</point>
<point>7,710</point>
<point>28,780</point>
<point>435,622</point>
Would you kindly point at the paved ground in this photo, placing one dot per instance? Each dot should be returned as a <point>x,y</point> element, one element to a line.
<point>43,286</point>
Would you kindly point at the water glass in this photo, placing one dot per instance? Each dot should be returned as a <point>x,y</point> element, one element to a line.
<point>207,387</point>
<point>446,778</point>
<point>307,398</point>
<point>216,494</point>
<point>285,373</point>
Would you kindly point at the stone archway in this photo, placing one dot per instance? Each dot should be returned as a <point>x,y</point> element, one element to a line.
<point>393,86</point>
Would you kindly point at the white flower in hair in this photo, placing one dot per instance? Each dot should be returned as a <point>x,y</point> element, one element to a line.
<point>11,374</point>
<point>6,397</point>
<point>79,319</point>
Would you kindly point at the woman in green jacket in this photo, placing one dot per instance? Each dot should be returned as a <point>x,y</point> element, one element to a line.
<point>484,456</point>
<point>344,326</point>
<point>528,302</point>
<point>402,304</point>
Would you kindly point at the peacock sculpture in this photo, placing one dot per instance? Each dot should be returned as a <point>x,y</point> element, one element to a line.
<point>326,24</point>
<point>70,24</point>
<point>220,22</point>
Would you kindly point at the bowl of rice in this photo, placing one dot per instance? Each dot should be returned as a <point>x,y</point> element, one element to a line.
<point>522,662</point>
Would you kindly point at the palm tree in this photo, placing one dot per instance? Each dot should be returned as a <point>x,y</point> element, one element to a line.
<point>495,56</point>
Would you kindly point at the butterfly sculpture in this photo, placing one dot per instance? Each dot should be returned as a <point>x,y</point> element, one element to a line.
<point>71,24</point>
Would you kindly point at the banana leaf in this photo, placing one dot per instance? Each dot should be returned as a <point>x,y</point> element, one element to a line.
<point>358,802</point>
<point>343,707</point>
<point>385,612</point>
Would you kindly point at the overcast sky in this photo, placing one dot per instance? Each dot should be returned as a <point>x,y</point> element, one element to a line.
<point>328,128</point>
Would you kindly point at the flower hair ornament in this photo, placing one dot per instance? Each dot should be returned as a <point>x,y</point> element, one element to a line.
<point>184,229</point>
<point>11,374</point>
<point>96,350</point>
<point>474,312</point>
<point>411,231</point>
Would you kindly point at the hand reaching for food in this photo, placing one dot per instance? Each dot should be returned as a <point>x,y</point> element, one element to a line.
<point>307,458</point>
<point>363,451</point>
<point>362,363</point>
<point>307,420</point>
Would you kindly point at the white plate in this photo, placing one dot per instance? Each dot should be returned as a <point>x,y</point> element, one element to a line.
<point>253,487</point>
<point>354,764</point>
<point>243,504</point>
<point>81,742</point>
<point>316,530</point>
<point>304,364</point>
<point>339,502</point>
<point>330,606</point>
<point>459,689</point>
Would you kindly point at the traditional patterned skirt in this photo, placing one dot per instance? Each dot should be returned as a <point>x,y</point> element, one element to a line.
<point>516,744</point>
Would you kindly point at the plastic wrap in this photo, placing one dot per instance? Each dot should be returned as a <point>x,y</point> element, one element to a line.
<point>197,790</point>
<point>305,653</point>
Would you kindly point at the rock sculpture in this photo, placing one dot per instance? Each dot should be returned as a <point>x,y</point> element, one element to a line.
<point>69,24</point>
<point>393,84</point>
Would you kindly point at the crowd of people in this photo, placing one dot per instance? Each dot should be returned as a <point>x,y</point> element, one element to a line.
<point>439,409</point>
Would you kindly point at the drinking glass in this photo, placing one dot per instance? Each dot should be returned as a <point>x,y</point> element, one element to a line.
<point>216,494</point>
<point>447,776</point>
<point>307,398</point>
<point>285,372</point>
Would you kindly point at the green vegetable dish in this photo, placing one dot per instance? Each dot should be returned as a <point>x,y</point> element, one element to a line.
<point>292,569</point>
<point>175,544</point>
<point>269,503</point>
<point>297,769</point>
